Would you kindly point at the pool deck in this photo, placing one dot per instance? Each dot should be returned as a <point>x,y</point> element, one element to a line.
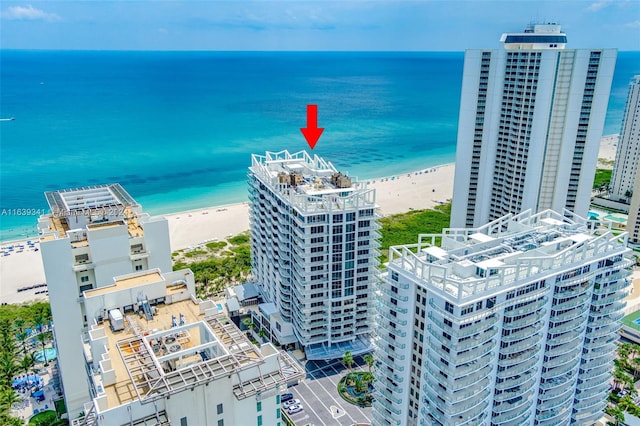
<point>630,319</point>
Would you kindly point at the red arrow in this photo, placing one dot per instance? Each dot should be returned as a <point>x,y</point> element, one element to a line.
<point>312,132</point>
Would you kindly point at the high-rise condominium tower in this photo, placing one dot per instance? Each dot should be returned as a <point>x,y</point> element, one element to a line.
<point>512,323</point>
<point>531,119</point>
<point>628,155</point>
<point>314,235</point>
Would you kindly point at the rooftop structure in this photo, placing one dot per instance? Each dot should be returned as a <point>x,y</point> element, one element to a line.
<point>140,363</point>
<point>531,119</point>
<point>92,235</point>
<point>314,253</point>
<point>513,322</point>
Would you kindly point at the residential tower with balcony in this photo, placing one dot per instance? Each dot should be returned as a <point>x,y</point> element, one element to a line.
<point>511,323</point>
<point>314,236</point>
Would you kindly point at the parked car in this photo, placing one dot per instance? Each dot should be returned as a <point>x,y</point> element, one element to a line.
<point>286,397</point>
<point>294,409</point>
<point>291,403</point>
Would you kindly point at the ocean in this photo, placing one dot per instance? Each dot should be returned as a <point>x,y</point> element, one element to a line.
<point>177,129</point>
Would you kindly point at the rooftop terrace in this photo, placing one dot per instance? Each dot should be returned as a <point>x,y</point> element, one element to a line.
<point>311,183</point>
<point>506,251</point>
<point>180,348</point>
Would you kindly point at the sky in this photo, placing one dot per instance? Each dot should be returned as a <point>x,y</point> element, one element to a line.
<point>352,25</point>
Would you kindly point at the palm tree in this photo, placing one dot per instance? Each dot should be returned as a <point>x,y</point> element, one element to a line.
<point>43,338</point>
<point>619,378</point>
<point>262,333</point>
<point>27,362</point>
<point>616,413</point>
<point>248,322</point>
<point>368,358</point>
<point>347,359</point>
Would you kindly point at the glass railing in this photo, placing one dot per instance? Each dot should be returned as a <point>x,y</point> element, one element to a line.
<point>570,314</point>
<point>386,361</point>
<point>520,368</point>
<point>525,321</point>
<point>462,370</point>
<point>562,399</point>
<point>588,381</point>
<point>609,299</point>
<point>393,342</point>
<point>506,406</point>
<point>472,342</point>
<point>531,307</point>
<point>604,331</point>
<point>386,290</point>
<point>506,417</point>
<point>558,371</point>
<point>524,333</point>
<point>562,359</point>
<point>551,414</point>
<point>483,325</point>
<point>565,338</point>
<point>610,309</point>
<point>574,324</point>
<point>599,398</point>
<point>560,349</point>
<point>522,345</point>
<point>600,341</point>
<point>562,391</point>
<point>569,292</point>
<point>519,357</point>
<point>514,381</point>
<point>613,288</point>
<point>570,303</point>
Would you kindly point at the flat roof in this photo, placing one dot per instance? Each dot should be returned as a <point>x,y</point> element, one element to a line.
<point>126,282</point>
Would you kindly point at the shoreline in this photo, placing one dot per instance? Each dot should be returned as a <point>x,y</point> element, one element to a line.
<point>403,192</point>
<point>400,193</point>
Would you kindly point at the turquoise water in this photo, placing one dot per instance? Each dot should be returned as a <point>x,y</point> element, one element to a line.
<point>177,128</point>
<point>50,353</point>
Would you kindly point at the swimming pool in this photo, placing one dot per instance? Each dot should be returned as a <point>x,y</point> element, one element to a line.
<point>220,308</point>
<point>50,353</point>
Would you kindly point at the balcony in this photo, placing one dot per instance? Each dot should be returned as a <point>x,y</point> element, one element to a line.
<point>514,381</point>
<point>588,381</point>
<point>383,419</point>
<point>527,343</point>
<point>392,364</point>
<point>509,416</point>
<point>470,330</point>
<point>600,341</point>
<point>609,299</point>
<point>552,414</point>
<point>610,309</point>
<point>386,314</point>
<point>386,290</point>
<point>519,357</point>
<point>560,350</point>
<point>565,398</point>
<point>604,331</point>
<point>612,288</point>
<point>391,341</point>
<point>522,334</point>
<point>565,337</point>
<point>527,309</point>
<point>518,369</point>
<point>472,342</point>
<point>570,314</point>
<point>587,418</point>
<point>561,359</point>
<point>570,303</point>
<point>528,320</point>
<point>570,292</point>
<point>558,371</point>
<point>460,370</point>
<point>598,398</point>
<point>514,403</point>
<point>562,391</point>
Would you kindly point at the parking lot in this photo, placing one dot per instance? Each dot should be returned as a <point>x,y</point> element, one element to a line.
<point>318,395</point>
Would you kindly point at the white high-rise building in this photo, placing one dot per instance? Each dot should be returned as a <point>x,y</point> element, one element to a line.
<point>511,323</point>
<point>627,161</point>
<point>92,235</point>
<point>531,119</point>
<point>314,236</point>
<point>633,222</point>
<point>135,346</point>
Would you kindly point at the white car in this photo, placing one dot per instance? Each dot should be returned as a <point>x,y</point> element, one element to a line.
<point>294,409</point>
<point>291,403</point>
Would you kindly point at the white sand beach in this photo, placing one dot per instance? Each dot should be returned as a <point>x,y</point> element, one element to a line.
<point>408,191</point>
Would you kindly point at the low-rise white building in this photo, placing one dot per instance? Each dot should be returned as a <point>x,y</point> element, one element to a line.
<point>176,361</point>
<point>511,323</point>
